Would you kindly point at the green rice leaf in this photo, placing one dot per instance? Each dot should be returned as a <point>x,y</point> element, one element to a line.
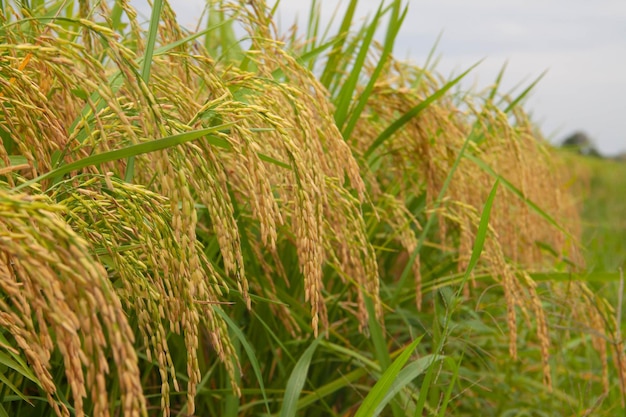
<point>404,119</point>
<point>394,27</point>
<point>249,351</point>
<point>347,90</point>
<point>406,377</point>
<point>485,167</point>
<point>341,382</point>
<point>524,93</point>
<point>13,388</point>
<point>377,336</point>
<point>375,397</point>
<point>134,150</point>
<point>155,18</point>
<point>296,381</point>
<point>337,53</point>
<point>483,227</point>
<point>145,68</point>
<point>451,385</point>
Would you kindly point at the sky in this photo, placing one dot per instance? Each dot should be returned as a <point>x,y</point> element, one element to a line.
<point>580,43</point>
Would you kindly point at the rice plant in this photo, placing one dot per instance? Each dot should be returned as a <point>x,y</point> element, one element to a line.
<point>218,223</point>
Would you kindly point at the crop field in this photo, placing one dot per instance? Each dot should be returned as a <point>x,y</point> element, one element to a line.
<point>238,221</point>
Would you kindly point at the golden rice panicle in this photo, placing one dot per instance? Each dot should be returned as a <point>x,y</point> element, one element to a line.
<point>323,159</point>
<point>242,173</point>
<point>112,215</point>
<point>350,251</point>
<point>588,311</point>
<point>542,327</point>
<point>65,293</point>
<point>27,111</point>
<point>212,173</point>
<point>143,253</point>
<point>394,212</point>
<point>55,83</point>
<point>304,135</point>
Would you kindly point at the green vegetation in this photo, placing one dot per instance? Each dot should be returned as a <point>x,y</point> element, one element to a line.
<point>214,224</point>
<point>603,210</point>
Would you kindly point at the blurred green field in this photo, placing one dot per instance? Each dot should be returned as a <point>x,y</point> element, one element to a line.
<point>604,214</point>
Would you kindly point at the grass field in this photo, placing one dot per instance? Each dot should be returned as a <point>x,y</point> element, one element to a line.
<point>603,212</point>
<point>241,222</point>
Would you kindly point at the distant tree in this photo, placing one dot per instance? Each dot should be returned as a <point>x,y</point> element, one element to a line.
<point>581,143</point>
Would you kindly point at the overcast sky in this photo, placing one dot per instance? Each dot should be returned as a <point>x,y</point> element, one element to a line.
<point>581,43</point>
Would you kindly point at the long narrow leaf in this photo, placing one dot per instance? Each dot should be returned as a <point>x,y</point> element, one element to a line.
<point>249,351</point>
<point>341,382</point>
<point>376,396</point>
<point>347,90</point>
<point>296,381</point>
<point>145,68</point>
<point>485,167</point>
<point>406,376</point>
<point>524,93</point>
<point>7,383</point>
<point>337,52</point>
<point>395,24</point>
<point>134,150</point>
<point>404,119</point>
<point>377,336</point>
<point>483,226</point>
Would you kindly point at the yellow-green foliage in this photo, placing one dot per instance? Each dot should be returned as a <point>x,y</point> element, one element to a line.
<point>153,242</point>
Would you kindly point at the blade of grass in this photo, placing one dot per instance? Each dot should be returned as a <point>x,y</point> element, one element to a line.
<point>7,383</point>
<point>313,25</point>
<point>249,351</point>
<point>347,90</point>
<point>155,18</point>
<point>17,364</point>
<point>147,147</point>
<point>485,167</point>
<point>405,377</point>
<point>476,251</point>
<point>395,23</point>
<point>377,394</point>
<point>134,150</point>
<point>380,345</point>
<point>116,16</point>
<point>377,336</point>
<point>600,277</point>
<point>448,394</point>
<point>325,390</point>
<point>361,357</point>
<point>414,112</point>
<point>336,54</point>
<point>296,381</point>
<point>430,63</point>
<point>524,93</point>
<point>481,233</point>
<point>496,84</point>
